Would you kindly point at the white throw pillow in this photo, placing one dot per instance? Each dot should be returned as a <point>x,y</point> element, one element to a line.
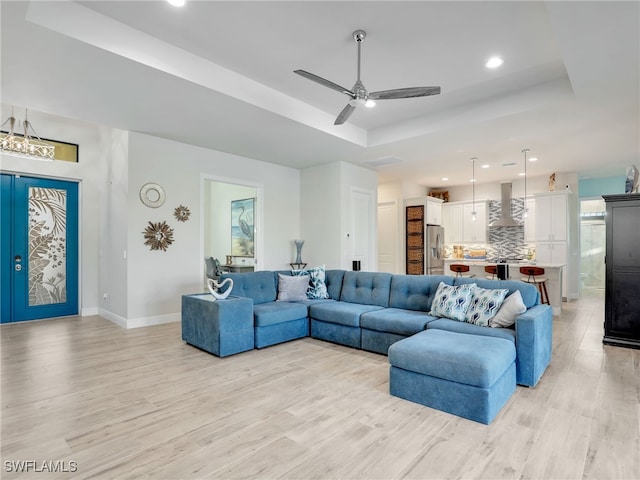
<point>292,289</point>
<point>509,311</point>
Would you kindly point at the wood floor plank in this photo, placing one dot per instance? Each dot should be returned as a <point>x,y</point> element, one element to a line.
<point>141,404</point>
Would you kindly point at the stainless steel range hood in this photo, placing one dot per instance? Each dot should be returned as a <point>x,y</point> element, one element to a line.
<point>506,217</point>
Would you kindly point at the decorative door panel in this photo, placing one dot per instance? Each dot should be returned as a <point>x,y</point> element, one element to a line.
<point>44,248</point>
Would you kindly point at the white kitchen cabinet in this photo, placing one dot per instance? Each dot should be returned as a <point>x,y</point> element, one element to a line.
<point>452,223</point>
<point>551,213</point>
<point>552,233</point>
<point>530,221</point>
<point>432,208</point>
<point>459,226</point>
<point>551,253</point>
<point>434,211</point>
<point>474,231</point>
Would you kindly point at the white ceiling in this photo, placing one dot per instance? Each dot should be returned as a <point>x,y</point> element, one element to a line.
<point>220,75</point>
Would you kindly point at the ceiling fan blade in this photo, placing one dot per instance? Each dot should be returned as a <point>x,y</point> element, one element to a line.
<point>404,93</point>
<point>325,82</point>
<point>344,114</point>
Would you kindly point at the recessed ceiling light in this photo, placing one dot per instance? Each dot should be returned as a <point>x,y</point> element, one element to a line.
<point>533,159</point>
<point>522,174</point>
<point>472,180</point>
<point>444,179</point>
<point>486,165</point>
<point>494,62</point>
<point>177,3</point>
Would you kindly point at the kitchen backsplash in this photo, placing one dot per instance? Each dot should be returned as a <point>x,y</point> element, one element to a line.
<point>505,242</point>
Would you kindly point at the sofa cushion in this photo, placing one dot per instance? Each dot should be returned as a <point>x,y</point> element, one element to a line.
<point>342,313</point>
<point>395,320</point>
<point>259,286</point>
<point>292,288</point>
<point>468,359</point>
<point>485,303</point>
<point>333,280</point>
<point>272,313</point>
<point>509,311</point>
<point>415,292</point>
<point>366,288</point>
<point>529,292</point>
<point>469,328</point>
<point>452,301</point>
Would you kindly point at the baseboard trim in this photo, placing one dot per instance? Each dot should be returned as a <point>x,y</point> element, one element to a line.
<point>112,317</point>
<point>88,312</point>
<point>139,322</point>
<point>150,321</point>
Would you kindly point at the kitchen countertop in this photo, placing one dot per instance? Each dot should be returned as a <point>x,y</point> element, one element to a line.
<point>553,272</point>
<point>483,263</point>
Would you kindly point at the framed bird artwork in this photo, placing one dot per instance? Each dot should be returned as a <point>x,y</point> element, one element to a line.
<point>242,227</point>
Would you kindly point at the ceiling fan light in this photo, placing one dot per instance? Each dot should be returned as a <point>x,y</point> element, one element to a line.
<point>370,103</point>
<point>177,3</point>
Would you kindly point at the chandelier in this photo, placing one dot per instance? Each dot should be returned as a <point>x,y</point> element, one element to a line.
<point>26,145</point>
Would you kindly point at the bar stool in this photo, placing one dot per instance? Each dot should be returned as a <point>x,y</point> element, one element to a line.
<point>534,275</point>
<point>492,270</point>
<point>461,270</point>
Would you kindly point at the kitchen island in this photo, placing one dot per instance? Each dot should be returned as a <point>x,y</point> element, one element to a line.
<point>553,272</point>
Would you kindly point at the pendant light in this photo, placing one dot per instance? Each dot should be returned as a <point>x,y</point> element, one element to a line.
<point>473,190</point>
<point>525,215</point>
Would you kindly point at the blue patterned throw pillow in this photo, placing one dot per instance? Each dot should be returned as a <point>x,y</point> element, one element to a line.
<point>317,286</point>
<point>452,302</point>
<point>485,304</point>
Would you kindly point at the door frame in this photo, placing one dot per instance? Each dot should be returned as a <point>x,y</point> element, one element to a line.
<point>258,215</point>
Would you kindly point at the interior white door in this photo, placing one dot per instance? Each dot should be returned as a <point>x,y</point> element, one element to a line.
<point>363,233</point>
<point>388,237</point>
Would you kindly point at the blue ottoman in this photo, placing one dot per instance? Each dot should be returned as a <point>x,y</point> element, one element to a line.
<point>221,327</point>
<point>470,376</point>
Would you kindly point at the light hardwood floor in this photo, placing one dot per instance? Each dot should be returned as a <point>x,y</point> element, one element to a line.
<point>141,404</point>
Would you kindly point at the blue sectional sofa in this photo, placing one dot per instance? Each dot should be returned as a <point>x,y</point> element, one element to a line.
<point>372,311</point>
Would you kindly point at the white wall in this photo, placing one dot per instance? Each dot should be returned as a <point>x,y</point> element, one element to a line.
<point>326,218</point>
<point>113,228</point>
<point>320,197</point>
<point>90,171</point>
<point>156,279</point>
<point>491,191</point>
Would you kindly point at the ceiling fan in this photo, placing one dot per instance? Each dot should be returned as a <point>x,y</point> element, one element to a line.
<point>359,94</point>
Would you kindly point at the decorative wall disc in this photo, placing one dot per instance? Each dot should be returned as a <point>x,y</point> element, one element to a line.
<point>152,195</point>
<point>181,213</point>
<point>158,236</point>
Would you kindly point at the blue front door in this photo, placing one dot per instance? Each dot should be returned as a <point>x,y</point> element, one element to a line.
<point>39,239</point>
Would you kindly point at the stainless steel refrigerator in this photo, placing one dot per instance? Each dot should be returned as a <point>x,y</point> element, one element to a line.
<point>434,250</point>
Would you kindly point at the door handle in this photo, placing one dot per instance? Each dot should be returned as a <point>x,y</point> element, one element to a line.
<point>18,267</point>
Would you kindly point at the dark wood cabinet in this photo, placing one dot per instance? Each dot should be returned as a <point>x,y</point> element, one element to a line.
<point>622,286</point>
<point>415,240</point>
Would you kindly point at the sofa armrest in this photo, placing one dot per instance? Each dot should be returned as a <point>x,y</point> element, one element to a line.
<point>534,329</point>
